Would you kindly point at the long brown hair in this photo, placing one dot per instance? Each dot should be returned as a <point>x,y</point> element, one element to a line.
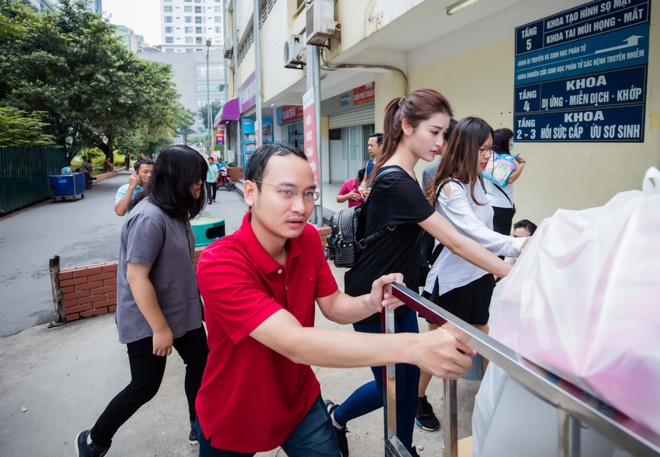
<point>462,155</point>
<point>415,108</point>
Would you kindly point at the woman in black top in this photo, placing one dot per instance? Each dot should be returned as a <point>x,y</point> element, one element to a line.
<point>414,127</point>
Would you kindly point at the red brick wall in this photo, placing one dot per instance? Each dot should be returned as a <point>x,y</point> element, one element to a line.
<point>88,291</point>
<point>92,289</point>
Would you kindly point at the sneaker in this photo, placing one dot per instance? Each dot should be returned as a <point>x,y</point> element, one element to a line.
<point>192,436</point>
<point>413,452</point>
<point>342,439</point>
<point>425,419</point>
<point>85,447</point>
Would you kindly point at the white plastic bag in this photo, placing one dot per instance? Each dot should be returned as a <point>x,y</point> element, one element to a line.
<point>583,301</point>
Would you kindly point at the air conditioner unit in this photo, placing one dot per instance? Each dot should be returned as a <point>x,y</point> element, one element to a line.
<point>294,52</point>
<point>320,21</point>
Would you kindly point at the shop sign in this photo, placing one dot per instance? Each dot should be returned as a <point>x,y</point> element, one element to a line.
<point>309,130</point>
<point>291,114</point>
<point>581,75</point>
<point>220,136</point>
<point>364,94</point>
<point>247,93</point>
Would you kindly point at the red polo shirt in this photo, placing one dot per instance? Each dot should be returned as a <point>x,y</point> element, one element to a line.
<point>251,397</point>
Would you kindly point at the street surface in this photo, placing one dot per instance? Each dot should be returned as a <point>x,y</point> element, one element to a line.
<point>83,232</point>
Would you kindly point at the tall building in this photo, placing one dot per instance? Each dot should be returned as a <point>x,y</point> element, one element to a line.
<point>48,5</point>
<point>133,41</point>
<point>187,24</point>
<point>190,78</point>
<point>39,5</point>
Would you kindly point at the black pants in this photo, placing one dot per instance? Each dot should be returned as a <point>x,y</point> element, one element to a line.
<point>147,372</point>
<point>211,190</point>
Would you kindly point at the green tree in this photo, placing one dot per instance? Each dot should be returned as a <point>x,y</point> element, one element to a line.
<point>93,91</point>
<point>18,128</point>
<point>183,119</point>
<point>216,106</point>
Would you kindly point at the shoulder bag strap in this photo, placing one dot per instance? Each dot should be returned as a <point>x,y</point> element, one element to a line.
<point>377,234</point>
<point>502,190</point>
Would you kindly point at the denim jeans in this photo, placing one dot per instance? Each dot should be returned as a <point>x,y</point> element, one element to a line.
<point>314,436</point>
<point>147,372</point>
<point>370,396</point>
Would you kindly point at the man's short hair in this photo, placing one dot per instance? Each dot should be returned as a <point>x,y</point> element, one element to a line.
<point>256,165</point>
<point>378,136</point>
<point>527,225</point>
<point>144,161</point>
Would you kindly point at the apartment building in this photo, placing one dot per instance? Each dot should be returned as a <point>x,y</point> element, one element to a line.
<point>132,40</point>
<point>187,25</point>
<point>584,135</point>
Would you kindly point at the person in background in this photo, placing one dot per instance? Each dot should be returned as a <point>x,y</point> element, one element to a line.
<point>107,165</point>
<point>414,127</point>
<point>374,147</point>
<point>87,169</point>
<point>430,249</point>
<point>136,184</point>
<point>351,192</point>
<point>501,198</point>
<point>127,160</point>
<point>211,181</point>
<point>260,321</point>
<point>453,283</point>
<point>158,304</point>
<point>521,228</point>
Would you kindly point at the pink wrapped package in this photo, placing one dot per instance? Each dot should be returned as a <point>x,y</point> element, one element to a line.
<point>583,301</point>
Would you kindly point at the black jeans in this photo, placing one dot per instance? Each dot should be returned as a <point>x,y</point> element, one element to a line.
<point>146,375</point>
<point>211,191</point>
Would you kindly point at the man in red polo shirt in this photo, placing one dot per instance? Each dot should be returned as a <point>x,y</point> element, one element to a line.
<point>259,286</point>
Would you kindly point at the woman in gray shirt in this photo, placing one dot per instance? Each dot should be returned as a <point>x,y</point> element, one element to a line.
<point>158,304</point>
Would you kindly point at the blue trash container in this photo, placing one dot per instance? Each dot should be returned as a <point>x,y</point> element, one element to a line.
<point>67,186</point>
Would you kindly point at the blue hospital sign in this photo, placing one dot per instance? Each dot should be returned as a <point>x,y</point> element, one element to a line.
<point>580,75</point>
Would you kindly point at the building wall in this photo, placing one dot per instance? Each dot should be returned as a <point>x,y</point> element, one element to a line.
<point>480,82</point>
<point>189,77</point>
<point>472,63</point>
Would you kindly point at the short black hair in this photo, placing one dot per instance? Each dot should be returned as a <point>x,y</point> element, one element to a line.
<point>258,160</point>
<point>177,168</point>
<point>145,161</point>
<point>360,174</point>
<point>527,225</point>
<point>378,136</point>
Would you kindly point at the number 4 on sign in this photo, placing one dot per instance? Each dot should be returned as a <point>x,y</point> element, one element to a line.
<point>526,105</point>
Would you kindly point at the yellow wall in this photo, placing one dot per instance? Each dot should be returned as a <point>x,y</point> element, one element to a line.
<point>557,175</point>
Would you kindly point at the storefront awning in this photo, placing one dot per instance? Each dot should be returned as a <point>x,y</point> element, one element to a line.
<point>230,111</point>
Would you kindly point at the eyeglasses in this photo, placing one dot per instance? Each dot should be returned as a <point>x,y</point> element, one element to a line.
<point>289,192</point>
<point>485,149</point>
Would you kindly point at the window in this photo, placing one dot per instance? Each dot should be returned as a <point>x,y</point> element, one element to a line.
<point>200,71</point>
<point>167,8</point>
<point>187,9</point>
<point>168,19</point>
<point>218,19</point>
<point>169,29</point>
<point>198,30</point>
<point>189,30</point>
<point>189,40</point>
<point>188,19</point>
<point>198,20</point>
<point>218,30</point>
<point>218,9</point>
<point>169,39</point>
<point>198,10</point>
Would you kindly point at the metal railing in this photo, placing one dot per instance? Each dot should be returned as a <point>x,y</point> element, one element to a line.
<point>574,406</point>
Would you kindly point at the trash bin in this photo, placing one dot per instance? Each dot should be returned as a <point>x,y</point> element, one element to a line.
<point>67,186</point>
<point>207,230</point>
